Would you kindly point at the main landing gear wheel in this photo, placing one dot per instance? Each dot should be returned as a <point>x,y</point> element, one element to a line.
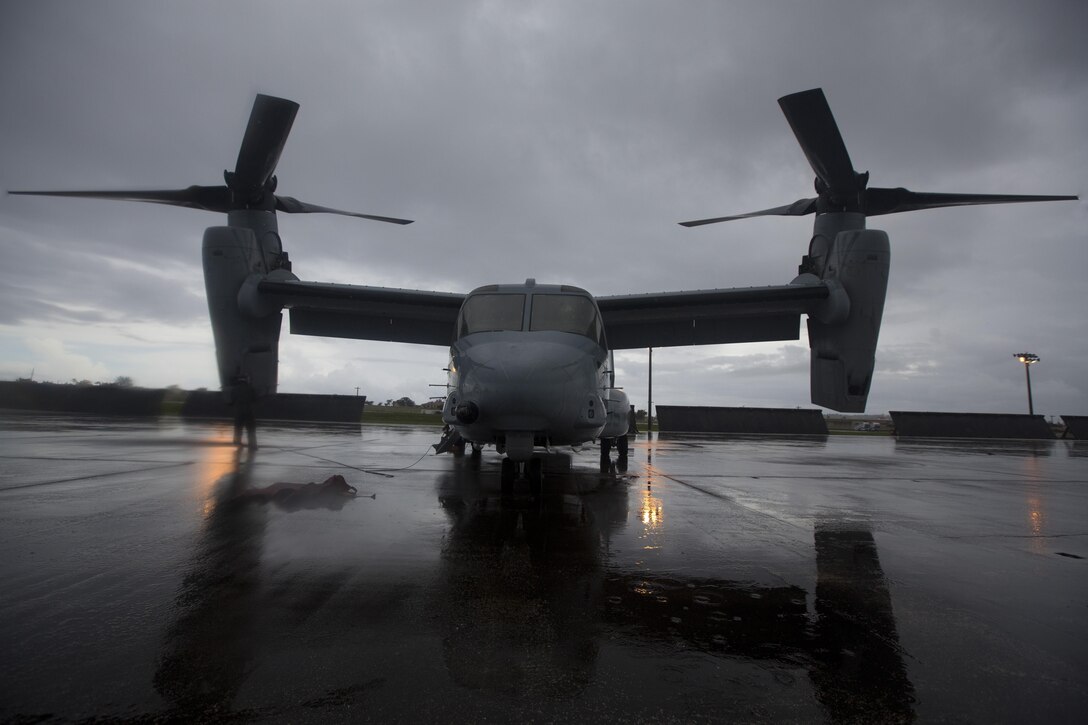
<point>506,478</point>
<point>621,446</point>
<point>606,448</point>
<point>534,471</point>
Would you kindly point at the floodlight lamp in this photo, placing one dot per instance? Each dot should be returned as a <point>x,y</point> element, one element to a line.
<point>1026,357</point>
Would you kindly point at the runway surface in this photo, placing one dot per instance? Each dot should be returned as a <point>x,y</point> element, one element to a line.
<point>838,579</point>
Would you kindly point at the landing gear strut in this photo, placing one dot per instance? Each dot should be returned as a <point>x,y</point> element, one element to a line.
<point>532,470</point>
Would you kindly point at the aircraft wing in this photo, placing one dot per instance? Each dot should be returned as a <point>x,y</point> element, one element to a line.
<point>667,319</point>
<point>706,317</point>
<point>366,313</point>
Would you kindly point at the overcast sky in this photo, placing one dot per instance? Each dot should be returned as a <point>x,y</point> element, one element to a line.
<point>555,140</point>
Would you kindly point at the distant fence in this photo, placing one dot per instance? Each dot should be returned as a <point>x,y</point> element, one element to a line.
<point>708,419</point>
<point>970,425</point>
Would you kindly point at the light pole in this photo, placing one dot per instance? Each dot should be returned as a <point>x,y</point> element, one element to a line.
<point>1028,358</point>
<point>650,397</point>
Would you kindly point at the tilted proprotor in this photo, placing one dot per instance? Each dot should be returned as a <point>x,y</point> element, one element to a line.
<point>239,256</point>
<point>850,260</point>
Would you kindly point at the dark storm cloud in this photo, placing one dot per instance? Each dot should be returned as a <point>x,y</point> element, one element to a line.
<point>560,141</point>
<point>58,281</point>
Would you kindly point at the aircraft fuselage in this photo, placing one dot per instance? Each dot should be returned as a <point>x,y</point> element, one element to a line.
<point>530,367</point>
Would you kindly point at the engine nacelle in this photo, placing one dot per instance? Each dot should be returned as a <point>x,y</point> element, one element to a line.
<point>843,352</point>
<point>246,342</point>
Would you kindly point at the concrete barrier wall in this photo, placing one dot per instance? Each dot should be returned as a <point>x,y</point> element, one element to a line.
<point>708,419</point>
<point>282,406</point>
<point>1076,426</point>
<point>113,400</point>
<point>86,399</point>
<point>909,424</point>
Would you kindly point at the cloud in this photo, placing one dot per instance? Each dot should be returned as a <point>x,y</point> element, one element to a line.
<point>561,141</point>
<point>49,359</point>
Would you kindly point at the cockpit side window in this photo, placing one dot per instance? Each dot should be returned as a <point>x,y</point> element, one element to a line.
<point>487,313</point>
<point>566,313</point>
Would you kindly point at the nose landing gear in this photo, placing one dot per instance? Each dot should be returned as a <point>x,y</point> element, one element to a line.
<point>532,470</point>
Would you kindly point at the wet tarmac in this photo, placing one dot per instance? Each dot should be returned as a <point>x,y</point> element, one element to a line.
<point>837,579</point>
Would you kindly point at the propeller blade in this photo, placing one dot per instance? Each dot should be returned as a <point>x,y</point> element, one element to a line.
<point>810,118</point>
<point>248,185</point>
<point>266,134</point>
<point>292,205</point>
<point>801,207</point>
<point>209,198</point>
<point>891,201</point>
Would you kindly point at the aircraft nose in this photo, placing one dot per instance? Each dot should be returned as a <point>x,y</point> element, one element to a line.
<point>524,386</point>
<point>540,363</point>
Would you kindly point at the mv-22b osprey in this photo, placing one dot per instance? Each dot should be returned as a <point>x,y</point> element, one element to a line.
<point>530,364</point>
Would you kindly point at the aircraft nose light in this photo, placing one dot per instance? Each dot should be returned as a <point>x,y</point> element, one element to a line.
<point>467,413</point>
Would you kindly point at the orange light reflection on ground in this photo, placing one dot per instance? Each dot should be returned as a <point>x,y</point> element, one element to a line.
<point>218,458</point>
<point>1035,502</point>
<point>651,512</point>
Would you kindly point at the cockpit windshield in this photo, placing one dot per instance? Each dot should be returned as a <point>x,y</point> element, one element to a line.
<point>566,313</point>
<point>559,312</point>
<point>491,312</point>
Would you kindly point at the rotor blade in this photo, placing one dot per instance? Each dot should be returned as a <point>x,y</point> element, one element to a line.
<point>209,198</point>
<point>269,124</point>
<point>292,205</point>
<point>801,207</point>
<point>810,118</point>
<point>892,201</point>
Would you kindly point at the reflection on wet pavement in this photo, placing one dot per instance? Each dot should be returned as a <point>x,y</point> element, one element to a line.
<point>760,580</point>
<point>209,645</point>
